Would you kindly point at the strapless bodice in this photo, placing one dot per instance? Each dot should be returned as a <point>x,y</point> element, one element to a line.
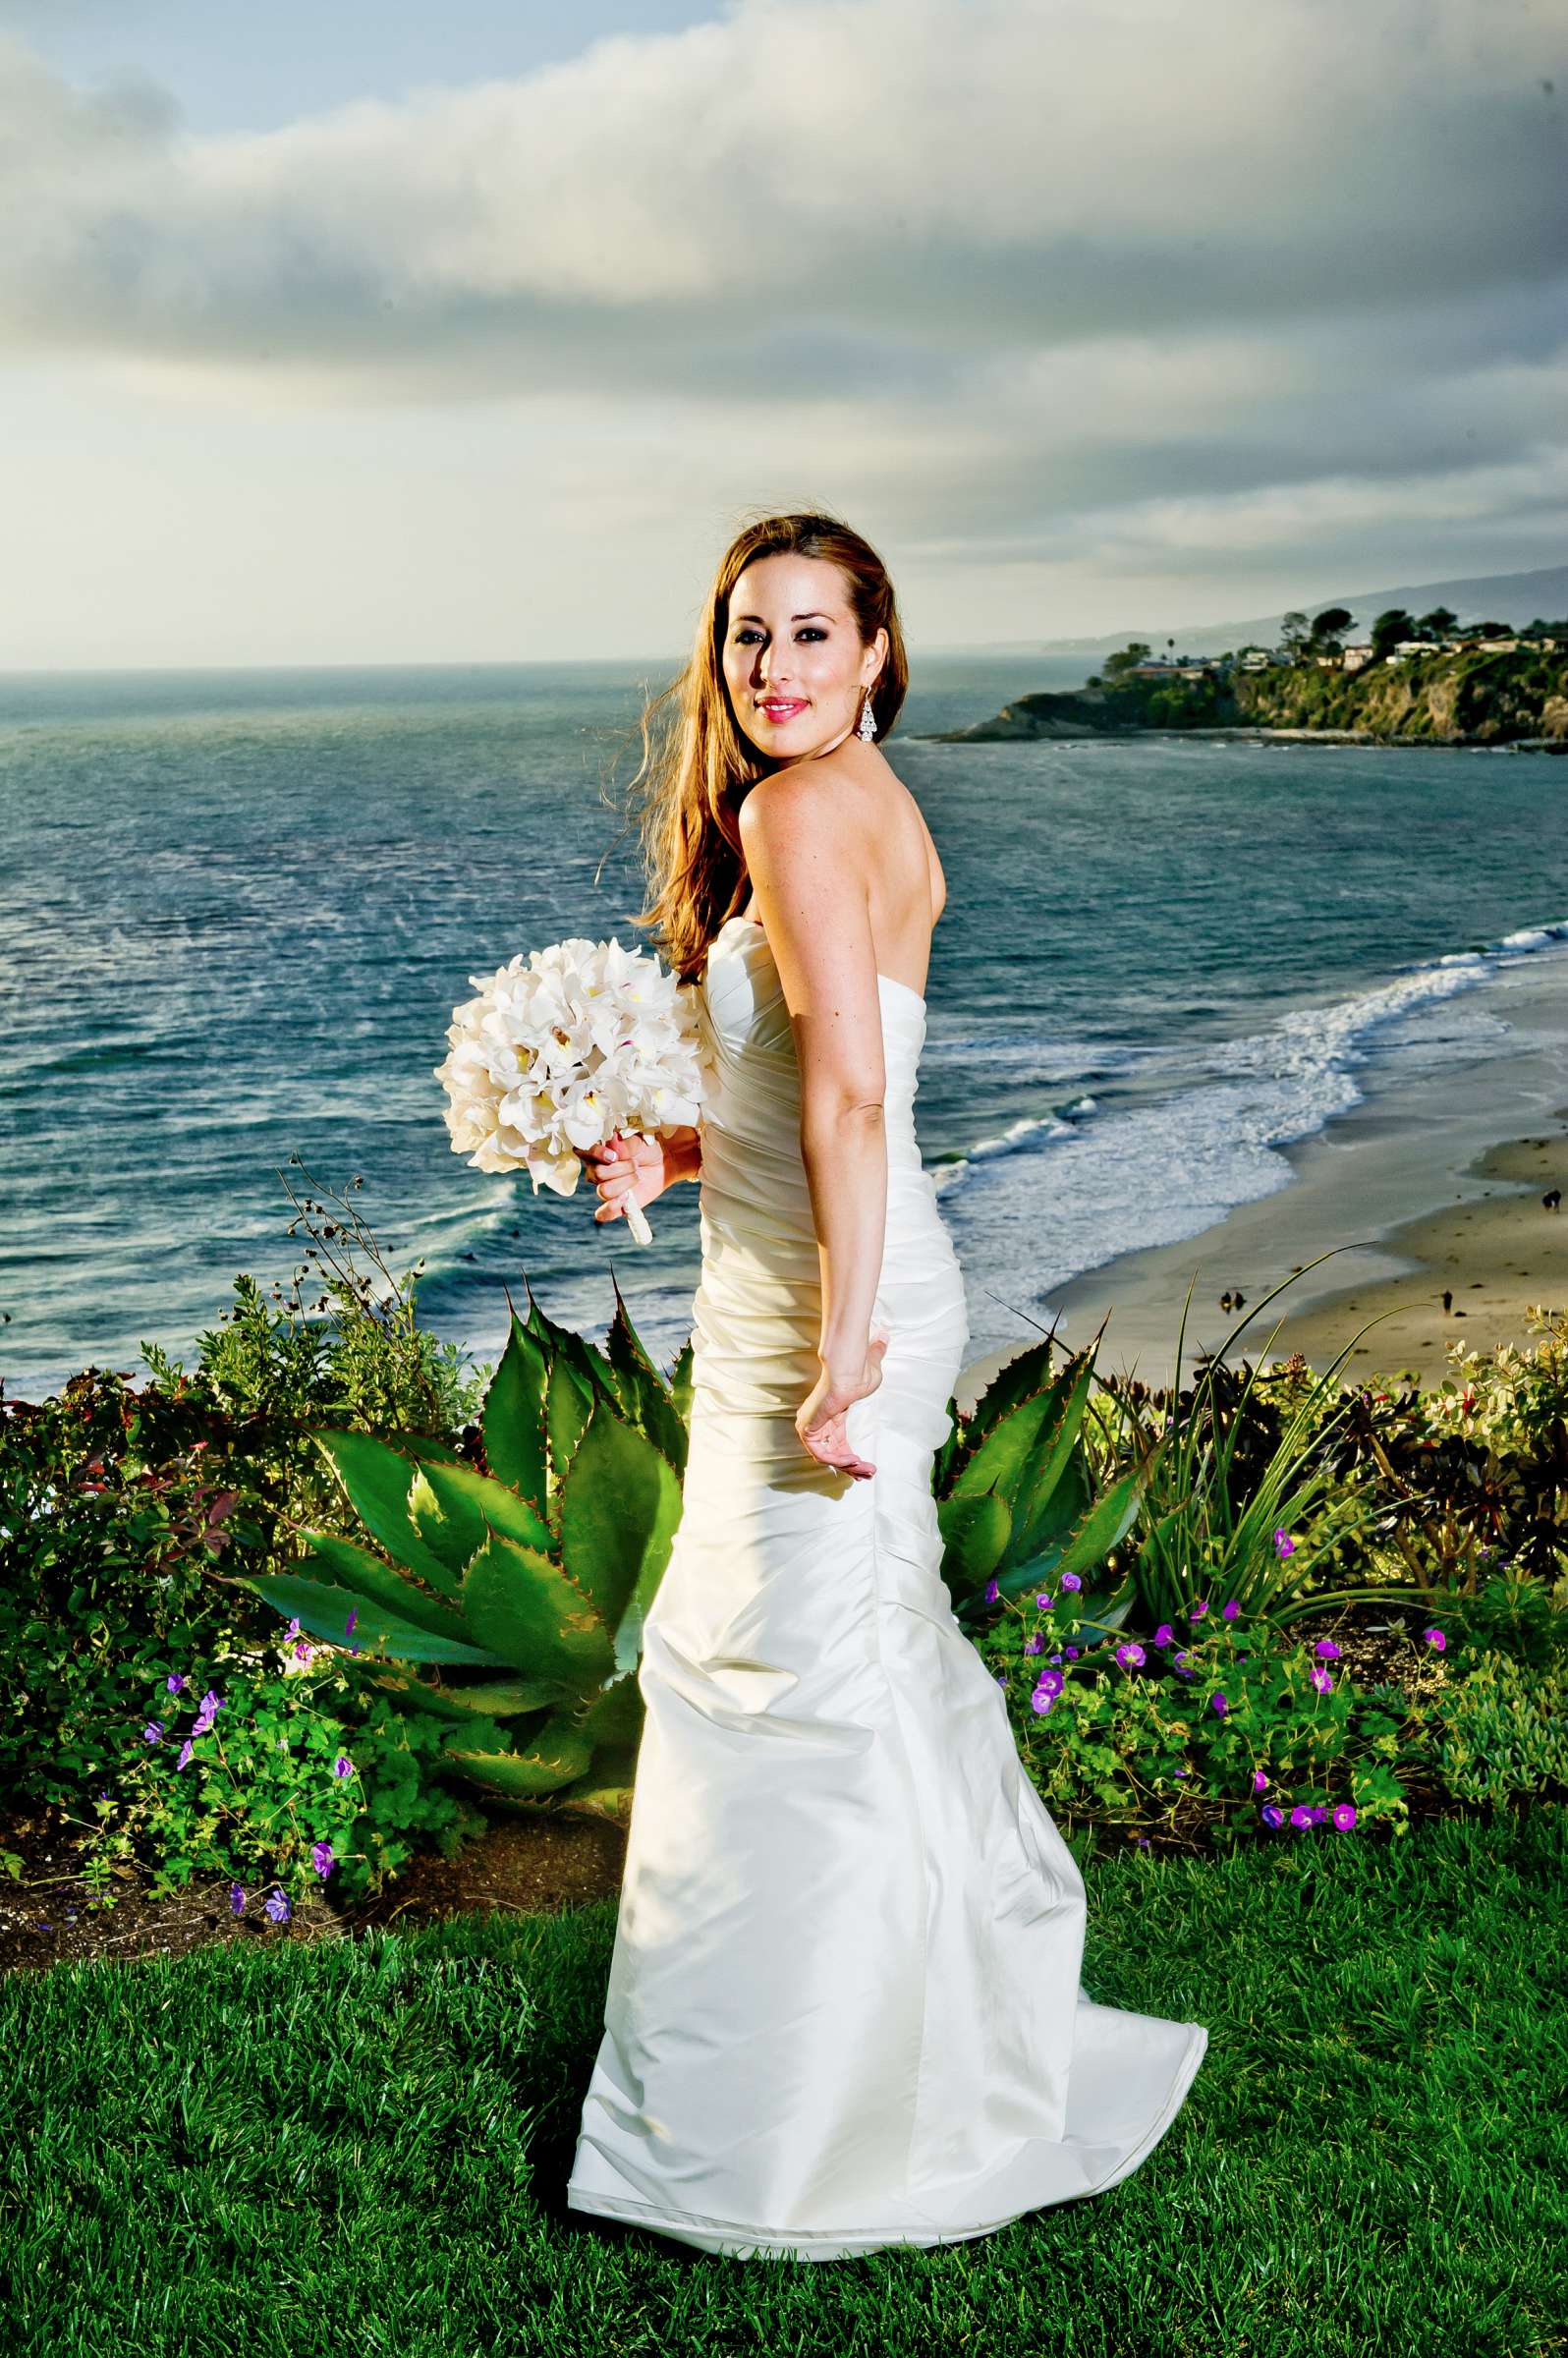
<point>751,1078</point>
<point>757,1312</point>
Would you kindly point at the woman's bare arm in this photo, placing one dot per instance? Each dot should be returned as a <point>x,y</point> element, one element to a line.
<point>809,871</point>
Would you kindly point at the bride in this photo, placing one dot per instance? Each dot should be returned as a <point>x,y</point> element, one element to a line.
<point>844,2008</point>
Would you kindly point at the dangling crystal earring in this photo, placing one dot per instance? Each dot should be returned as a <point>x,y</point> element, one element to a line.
<point>867,727</point>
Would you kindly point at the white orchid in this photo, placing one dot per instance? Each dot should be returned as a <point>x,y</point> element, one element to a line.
<point>564,1047</point>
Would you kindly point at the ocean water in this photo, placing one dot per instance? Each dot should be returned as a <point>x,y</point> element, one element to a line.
<point>238,909</point>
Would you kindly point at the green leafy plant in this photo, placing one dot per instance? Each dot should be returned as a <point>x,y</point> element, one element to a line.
<point>1502,1729</point>
<point>290,1772</point>
<point>1016,1499</point>
<point>1255,1530</point>
<point>508,1600</point>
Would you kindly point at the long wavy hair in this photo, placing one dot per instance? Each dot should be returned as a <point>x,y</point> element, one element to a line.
<point>699,765</point>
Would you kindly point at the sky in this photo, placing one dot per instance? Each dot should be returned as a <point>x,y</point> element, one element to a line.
<point>376,333</point>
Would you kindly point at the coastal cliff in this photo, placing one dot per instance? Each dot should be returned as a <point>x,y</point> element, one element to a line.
<point>1441,699</point>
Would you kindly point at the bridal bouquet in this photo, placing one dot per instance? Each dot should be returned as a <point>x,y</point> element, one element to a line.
<point>560,1050</point>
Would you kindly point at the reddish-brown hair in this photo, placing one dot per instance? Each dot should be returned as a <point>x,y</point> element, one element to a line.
<point>689,790</point>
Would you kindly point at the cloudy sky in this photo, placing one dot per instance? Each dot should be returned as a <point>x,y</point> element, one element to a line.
<point>376,332</point>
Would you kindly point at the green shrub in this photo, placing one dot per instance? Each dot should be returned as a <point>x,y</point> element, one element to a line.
<point>1501,1729</point>
<point>268,1770</point>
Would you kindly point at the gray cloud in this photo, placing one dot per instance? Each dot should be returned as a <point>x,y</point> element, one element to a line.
<point>1116,255</point>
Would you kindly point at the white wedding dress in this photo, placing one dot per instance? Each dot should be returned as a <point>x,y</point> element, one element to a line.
<point>844,2007</point>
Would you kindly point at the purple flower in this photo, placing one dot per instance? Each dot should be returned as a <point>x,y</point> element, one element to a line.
<point>1143,1841</point>
<point>1229,1612</point>
<point>212,1705</point>
<point>1217,1702</point>
<point>1270,1816</point>
<point>1001,1678</point>
<point>152,1733</point>
<point>1319,1812</point>
<point>1184,1772</point>
<point>1034,1645</point>
<point>343,1766</point>
<point>186,1750</point>
<point>993,1589</point>
<point>277,1906</point>
<point>1259,1781</point>
<point>237,1899</point>
<point>1043,1599</point>
<point>1070,1580</point>
<point>1056,1657</point>
<point>1040,1702</point>
<point>175,1681</point>
<point>1198,1608</point>
<point>1323,1680</point>
<point>1049,1682</point>
<point>1344,1816</point>
<point>321,1859</point>
<point>1164,1635</point>
<point>1435,1637</point>
<point>1326,1651</point>
<point>353,1616</point>
<point>1130,1656</point>
<point>1071,1652</point>
<point>1301,1815</point>
<point>1284,1545</point>
<point>293,1629</point>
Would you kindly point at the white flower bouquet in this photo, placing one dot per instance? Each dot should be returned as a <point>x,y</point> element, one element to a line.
<point>561,1050</point>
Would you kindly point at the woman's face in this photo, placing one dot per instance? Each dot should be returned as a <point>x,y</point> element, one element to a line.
<point>794,664</point>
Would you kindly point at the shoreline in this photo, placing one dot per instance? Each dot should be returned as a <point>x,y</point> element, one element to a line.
<point>1427,1185</point>
<point>1497,1253</point>
<point>1242,734</point>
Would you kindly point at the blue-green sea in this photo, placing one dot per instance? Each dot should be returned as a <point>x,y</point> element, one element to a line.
<point>236,910</point>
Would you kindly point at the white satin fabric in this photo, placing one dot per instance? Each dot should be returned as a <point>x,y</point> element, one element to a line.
<point>844,2007</point>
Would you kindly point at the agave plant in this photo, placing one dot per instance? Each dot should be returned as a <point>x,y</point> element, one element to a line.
<point>510,1602</point>
<point>1015,1495</point>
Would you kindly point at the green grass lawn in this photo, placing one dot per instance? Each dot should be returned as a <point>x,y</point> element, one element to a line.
<point>360,2146</point>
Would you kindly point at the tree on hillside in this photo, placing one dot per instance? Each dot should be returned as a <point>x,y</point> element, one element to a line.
<point>1435,625</point>
<point>1329,628</point>
<point>1295,633</point>
<point>1135,652</point>
<point>1389,629</point>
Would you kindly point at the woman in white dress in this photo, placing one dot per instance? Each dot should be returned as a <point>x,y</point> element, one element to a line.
<point>844,2008</point>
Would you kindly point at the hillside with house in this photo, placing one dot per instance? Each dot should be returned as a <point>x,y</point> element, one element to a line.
<point>1413,680</point>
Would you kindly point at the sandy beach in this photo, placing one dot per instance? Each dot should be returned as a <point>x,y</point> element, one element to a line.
<point>1412,1192</point>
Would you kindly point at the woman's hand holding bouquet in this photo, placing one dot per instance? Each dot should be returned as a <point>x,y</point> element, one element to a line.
<point>639,1168</point>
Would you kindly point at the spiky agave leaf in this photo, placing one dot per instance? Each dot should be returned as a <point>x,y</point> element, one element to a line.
<point>681,1375</point>
<point>513,1415</point>
<point>376,1479</point>
<point>619,1503</point>
<point>975,1535</point>
<point>497,1699</point>
<point>353,1567</point>
<point>548,1759</point>
<point>1005,1459</point>
<point>452,1508</point>
<point>528,1612</point>
<point>323,1609</point>
<point>1057,1446</point>
<point>644,1394</point>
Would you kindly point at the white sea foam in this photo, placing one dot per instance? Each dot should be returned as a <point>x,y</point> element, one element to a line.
<point>1157,1166</point>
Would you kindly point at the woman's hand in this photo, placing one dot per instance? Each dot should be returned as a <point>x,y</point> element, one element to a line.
<point>819,1420</point>
<point>633,1168</point>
